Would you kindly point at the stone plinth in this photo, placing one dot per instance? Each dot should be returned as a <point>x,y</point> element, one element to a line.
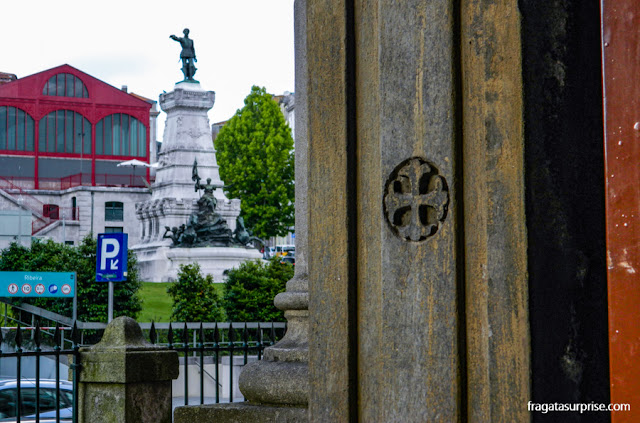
<point>158,262</point>
<point>125,379</point>
<point>212,260</point>
<point>187,137</point>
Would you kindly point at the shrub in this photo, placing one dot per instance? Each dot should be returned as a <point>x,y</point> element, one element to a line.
<point>195,298</point>
<point>250,289</point>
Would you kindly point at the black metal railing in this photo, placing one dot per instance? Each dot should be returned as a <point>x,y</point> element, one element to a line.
<point>16,401</point>
<point>196,344</point>
<point>199,341</point>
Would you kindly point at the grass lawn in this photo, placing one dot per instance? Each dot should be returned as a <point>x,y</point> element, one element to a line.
<point>157,303</point>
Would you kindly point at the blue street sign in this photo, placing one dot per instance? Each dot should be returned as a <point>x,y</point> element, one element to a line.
<point>111,263</point>
<point>37,284</point>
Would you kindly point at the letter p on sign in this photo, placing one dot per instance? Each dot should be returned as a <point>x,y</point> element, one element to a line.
<point>106,254</point>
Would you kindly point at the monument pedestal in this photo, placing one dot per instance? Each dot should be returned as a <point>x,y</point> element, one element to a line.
<point>212,260</point>
<point>187,139</point>
<point>161,263</point>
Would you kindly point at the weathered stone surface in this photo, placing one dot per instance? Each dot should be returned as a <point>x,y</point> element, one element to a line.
<point>124,378</point>
<point>131,366</point>
<point>240,413</point>
<point>124,356</point>
<point>294,346</point>
<point>127,403</point>
<point>122,333</point>
<point>425,104</point>
<point>276,382</point>
<point>331,300</point>
<point>495,244</point>
<point>408,283</point>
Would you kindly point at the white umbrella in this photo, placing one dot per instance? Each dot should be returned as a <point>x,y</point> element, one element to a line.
<point>133,163</point>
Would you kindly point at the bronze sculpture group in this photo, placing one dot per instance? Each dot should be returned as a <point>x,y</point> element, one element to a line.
<point>205,227</point>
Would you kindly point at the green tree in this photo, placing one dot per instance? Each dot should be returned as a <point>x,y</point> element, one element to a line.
<point>195,298</point>
<point>250,289</point>
<point>255,154</point>
<point>48,256</point>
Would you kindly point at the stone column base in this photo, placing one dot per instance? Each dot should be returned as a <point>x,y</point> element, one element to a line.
<point>240,412</point>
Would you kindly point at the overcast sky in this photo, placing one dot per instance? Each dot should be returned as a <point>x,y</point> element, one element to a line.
<point>238,43</point>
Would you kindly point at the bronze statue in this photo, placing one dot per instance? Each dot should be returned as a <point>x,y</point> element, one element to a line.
<point>188,55</point>
<point>187,235</point>
<point>207,200</point>
<point>242,236</point>
<point>175,234</point>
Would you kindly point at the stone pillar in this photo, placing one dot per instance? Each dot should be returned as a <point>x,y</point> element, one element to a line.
<point>125,379</point>
<point>495,231</point>
<point>417,236</point>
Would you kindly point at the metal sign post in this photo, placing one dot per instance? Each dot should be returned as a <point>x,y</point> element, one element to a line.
<point>111,263</point>
<point>110,304</point>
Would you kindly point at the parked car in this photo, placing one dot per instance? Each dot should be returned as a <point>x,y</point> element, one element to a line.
<point>47,394</point>
<point>288,259</point>
<point>268,253</point>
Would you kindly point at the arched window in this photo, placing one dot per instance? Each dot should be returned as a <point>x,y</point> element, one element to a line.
<point>65,131</point>
<point>121,135</point>
<point>16,129</point>
<point>113,211</point>
<point>65,85</point>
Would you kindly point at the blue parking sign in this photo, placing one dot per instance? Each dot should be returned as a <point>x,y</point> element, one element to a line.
<point>111,257</point>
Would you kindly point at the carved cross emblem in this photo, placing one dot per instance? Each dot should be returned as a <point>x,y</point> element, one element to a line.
<point>415,200</point>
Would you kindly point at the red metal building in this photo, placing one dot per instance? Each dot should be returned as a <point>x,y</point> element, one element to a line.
<point>62,128</point>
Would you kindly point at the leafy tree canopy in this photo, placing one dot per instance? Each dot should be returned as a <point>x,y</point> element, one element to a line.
<point>255,154</point>
<point>48,256</point>
<point>195,298</point>
<point>250,289</point>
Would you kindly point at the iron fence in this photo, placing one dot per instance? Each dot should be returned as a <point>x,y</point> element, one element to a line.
<point>14,394</point>
<point>202,348</point>
<point>195,342</point>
